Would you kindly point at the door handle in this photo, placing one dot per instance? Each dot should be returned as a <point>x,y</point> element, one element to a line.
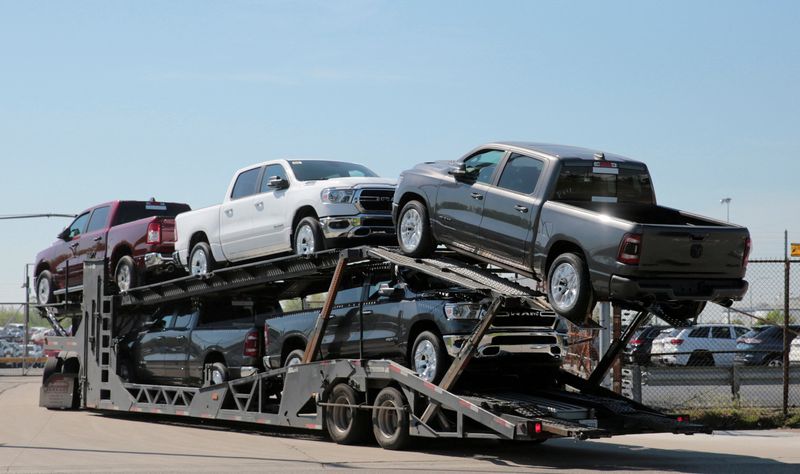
<point>366,312</point>
<point>180,338</point>
<point>260,205</point>
<point>521,208</point>
<point>229,212</point>
<point>74,245</point>
<point>98,238</point>
<point>477,196</point>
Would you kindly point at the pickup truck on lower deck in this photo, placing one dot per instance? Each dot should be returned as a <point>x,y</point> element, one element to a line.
<point>584,222</point>
<point>136,237</point>
<point>175,344</point>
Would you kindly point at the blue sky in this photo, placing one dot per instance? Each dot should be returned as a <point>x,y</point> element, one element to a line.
<point>106,100</point>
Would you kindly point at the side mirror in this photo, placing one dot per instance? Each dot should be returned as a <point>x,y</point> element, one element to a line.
<point>458,171</point>
<point>276,182</point>
<point>388,291</point>
<point>64,234</point>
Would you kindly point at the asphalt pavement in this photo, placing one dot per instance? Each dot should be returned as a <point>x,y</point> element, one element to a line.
<point>33,439</point>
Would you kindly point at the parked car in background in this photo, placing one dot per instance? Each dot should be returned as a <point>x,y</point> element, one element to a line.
<point>136,237</point>
<point>794,351</point>
<point>177,342</point>
<point>583,221</point>
<point>299,206</point>
<point>752,333</point>
<point>638,349</point>
<point>416,320</point>
<point>701,345</point>
<point>764,348</point>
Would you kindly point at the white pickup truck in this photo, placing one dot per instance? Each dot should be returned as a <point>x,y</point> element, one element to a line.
<point>300,206</point>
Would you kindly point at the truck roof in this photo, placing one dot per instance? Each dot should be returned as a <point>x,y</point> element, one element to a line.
<point>561,152</point>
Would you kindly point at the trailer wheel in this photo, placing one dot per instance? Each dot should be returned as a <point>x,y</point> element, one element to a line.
<point>569,290</point>
<point>125,274</point>
<point>345,425</point>
<point>390,419</point>
<point>414,230</point>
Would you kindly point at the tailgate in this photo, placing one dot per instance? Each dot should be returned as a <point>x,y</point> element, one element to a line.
<point>701,251</point>
<point>167,229</point>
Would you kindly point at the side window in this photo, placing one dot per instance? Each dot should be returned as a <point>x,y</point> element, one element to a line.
<point>270,172</point>
<point>183,318</point>
<point>699,332</point>
<point>78,225</point>
<point>521,174</point>
<point>740,331</point>
<point>483,164</point>
<point>721,332</point>
<point>163,321</point>
<point>98,219</point>
<point>245,183</point>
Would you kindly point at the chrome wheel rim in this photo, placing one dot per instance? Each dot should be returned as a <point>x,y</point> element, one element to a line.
<point>124,278</point>
<point>564,285</point>
<point>388,420</point>
<point>44,290</point>
<point>342,417</point>
<point>775,363</point>
<point>411,229</point>
<point>199,262</point>
<point>425,360</point>
<point>305,244</point>
<point>216,377</point>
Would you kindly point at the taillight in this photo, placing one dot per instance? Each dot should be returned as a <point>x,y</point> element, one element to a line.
<point>636,342</point>
<point>154,233</point>
<point>251,344</point>
<point>266,336</point>
<point>630,249</point>
<point>746,258</point>
<point>676,342</point>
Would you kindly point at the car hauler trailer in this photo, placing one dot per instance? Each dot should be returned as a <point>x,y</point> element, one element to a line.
<point>348,398</point>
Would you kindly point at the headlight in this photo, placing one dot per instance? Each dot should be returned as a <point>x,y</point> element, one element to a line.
<point>463,311</point>
<point>337,196</point>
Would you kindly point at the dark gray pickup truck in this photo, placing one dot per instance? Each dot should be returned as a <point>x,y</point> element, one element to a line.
<point>174,344</point>
<point>418,321</point>
<point>584,222</point>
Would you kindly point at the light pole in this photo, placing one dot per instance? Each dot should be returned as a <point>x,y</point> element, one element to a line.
<point>727,202</point>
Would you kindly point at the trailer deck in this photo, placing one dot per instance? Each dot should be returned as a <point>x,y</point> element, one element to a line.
<point>340,395</point>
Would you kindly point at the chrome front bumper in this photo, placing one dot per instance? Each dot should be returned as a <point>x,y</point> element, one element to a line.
<point>357,226</point>
<point>499,343</point>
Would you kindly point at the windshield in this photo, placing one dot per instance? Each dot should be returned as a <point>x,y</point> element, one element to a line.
<point>617,183</point>
<point>319,170</point>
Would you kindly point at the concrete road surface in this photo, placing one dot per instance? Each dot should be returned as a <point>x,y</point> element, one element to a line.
<point>35,439</point>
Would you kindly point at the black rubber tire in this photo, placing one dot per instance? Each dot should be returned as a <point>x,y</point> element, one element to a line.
<point>210,263</point>
<point>126,371</point>
<point>295,354</point>
<point>316,230</point>
<point>45,274</point>
<point>221,369</point>
<point>426,242</point>
<point>700,359</point>
<point>390,427</point>
<point>52,366</point>
<point>72,366</point>
<point>345,425</point>
<point>442,359</point>
<point>583,303</point>
<point>126,263</point>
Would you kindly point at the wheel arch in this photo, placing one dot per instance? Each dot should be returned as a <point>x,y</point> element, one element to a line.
<point>301,213</point>
<point>418,328</point>
<point>291,343</point>
<point>121,250</point>
<point>558,248</point>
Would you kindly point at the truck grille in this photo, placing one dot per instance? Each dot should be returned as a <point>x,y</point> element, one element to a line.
<point>518,320</point>
<point>374,200</point>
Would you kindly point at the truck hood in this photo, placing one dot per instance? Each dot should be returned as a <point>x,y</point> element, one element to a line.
<point>351,183</point>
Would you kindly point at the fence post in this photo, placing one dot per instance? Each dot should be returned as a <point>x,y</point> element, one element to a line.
<point>786,325</point>
<point>736,383</point>
<point>636,382</point>
<point>26,310</point>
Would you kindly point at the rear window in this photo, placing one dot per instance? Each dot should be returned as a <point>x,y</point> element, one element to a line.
<point>604,182</point>
<point>134,210</point>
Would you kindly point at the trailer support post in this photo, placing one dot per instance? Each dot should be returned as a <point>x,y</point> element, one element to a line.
<point>616,347</point>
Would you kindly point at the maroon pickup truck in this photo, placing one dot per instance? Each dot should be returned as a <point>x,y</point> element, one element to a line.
<point>137,239</point>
